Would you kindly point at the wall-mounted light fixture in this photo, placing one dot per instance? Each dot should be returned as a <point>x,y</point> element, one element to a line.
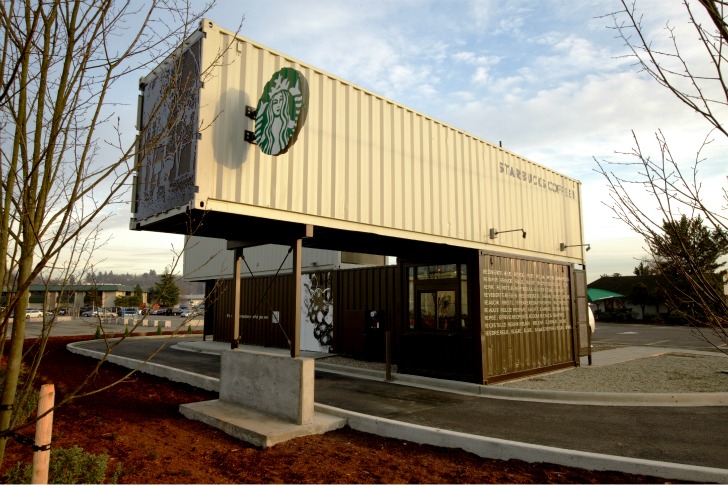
<point>563,246</point>
<point>494,233</point>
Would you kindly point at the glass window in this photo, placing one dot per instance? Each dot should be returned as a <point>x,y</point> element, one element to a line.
<point>428,311</point>
<point>446,310</point>
<point>438,297</point>
<point>437,310</point>
<point>437,272</point>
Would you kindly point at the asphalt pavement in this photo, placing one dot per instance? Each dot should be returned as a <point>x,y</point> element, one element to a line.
<point>77,326</point>
<point>677,442</point>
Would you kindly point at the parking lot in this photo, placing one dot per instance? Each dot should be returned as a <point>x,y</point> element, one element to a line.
<point>637,334</point>
<point>72,326</point>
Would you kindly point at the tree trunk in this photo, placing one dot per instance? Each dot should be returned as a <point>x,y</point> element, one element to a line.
<point>15,357</point>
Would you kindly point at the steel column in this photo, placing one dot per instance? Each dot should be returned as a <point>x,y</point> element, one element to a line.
<point>296,337</point>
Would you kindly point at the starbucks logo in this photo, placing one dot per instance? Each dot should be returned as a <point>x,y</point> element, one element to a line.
<point>281,111</point>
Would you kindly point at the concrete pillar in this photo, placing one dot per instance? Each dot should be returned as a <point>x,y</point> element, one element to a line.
<point>269,383</point>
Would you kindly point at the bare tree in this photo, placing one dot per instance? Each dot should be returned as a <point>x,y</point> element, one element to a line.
<point>673,186</point>
<point>65,157</point>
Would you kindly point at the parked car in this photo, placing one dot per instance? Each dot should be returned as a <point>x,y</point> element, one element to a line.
<point>33,312</point>
<point>128,312</point>
<point>592,320</point>
<point>159,311</point>
<point>90,313</point>
<point>187,313</point>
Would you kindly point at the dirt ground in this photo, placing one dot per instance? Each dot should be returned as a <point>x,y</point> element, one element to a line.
<point>138,425</point>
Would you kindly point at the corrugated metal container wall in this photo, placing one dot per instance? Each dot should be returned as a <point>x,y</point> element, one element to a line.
<point>362,289</point>
<point>219,304</point>
<point>364,163</point>
<point>257,322</point>
<point>377,288</point>
<point>526,315</point>
<point>257,326</point>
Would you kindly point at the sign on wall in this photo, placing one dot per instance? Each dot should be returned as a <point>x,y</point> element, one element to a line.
<point>281,111</point>
<point>317,312</point>
<point>168,135</point>
<point>526,314</point>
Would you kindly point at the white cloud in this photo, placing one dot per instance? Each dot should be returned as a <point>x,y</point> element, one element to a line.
<point>544,77</point>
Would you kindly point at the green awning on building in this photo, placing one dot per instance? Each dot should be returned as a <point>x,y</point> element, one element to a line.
<point>595,294</point>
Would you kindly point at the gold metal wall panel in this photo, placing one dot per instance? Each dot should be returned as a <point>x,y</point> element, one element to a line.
<point>364,163</point>
<point>526,319</point>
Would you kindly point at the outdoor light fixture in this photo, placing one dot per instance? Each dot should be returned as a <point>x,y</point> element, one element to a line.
<point>563,246</point>
<point>494,233</point>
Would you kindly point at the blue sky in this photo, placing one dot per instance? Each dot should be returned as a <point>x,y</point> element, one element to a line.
<point>547,79</point>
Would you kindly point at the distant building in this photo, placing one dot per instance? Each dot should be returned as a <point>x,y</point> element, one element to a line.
<point>72,296</point>
<point>625,285</point>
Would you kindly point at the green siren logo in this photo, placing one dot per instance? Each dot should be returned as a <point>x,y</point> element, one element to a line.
<point>281,111</point>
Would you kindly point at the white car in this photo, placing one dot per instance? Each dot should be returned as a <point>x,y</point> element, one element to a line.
<point>592,320</point>
<point>187,313</point>
<point>33,312</point>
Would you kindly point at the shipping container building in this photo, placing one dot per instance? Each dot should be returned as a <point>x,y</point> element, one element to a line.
<point>490,277</point>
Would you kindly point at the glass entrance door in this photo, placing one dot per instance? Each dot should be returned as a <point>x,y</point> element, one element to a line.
<point>437,309</point>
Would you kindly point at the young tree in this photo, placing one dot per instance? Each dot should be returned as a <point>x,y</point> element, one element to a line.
<point>165,292</point>
<point>137,297</point>
<point>65,157</point>
<point>92,298</point>
<point>645,268</point>
<point>677,190</point>
<point>687,245</point>
<point>640,295</point>
<point>688,253</point>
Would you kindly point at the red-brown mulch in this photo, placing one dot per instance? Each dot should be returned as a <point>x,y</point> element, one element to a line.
<point>138,425</point>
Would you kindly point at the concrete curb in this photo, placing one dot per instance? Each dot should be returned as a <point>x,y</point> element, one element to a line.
<point>174,375</point>
<point>505,450</point>
<point>686,399</point>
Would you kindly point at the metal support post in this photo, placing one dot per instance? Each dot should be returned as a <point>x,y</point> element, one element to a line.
<point>236,307</point>
<point>296,337</point>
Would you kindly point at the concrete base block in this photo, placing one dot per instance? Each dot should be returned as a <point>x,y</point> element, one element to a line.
<point>145,323</point>
<point>168,324</point>
<point>259,429</point>
<point>275,384</point>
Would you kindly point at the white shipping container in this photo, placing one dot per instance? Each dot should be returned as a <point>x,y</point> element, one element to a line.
<point>361,164</point>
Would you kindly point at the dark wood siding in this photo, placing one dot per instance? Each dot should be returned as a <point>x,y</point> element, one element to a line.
<point>355,292</point>
<point>358,292</point>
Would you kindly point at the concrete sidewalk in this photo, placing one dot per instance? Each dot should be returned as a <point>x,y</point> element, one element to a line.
<point>675,442</point>
<point>508,390</point>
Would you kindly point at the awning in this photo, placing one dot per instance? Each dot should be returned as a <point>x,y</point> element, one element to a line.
<point>595,294</point>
